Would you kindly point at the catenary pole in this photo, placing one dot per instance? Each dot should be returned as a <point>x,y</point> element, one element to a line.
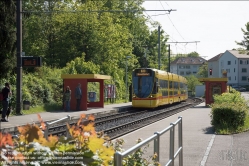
<point>19,56</point>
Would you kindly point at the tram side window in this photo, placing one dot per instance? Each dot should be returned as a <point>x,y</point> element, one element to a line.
<point>164,87</point>
<point>175,88</point>
<point>170,84</point>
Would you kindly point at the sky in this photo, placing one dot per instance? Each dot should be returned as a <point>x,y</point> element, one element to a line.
<point>216,25</point>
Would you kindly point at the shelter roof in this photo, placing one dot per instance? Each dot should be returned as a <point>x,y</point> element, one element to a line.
<point>212,79</point>
<point>85,76</point>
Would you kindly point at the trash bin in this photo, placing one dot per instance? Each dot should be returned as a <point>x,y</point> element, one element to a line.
<point>26,105</point>
<point>92,96</point>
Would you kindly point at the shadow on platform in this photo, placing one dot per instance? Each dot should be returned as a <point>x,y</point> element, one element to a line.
<point>208,130</point>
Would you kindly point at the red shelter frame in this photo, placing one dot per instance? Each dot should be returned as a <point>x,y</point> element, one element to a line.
<point>213,86</point>
<point>72,80</point>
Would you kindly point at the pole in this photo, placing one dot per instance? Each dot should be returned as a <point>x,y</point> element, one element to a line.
<point>19,56</point>
<point>126,79</point>
<point>169,58</point>
<point>159,56</point>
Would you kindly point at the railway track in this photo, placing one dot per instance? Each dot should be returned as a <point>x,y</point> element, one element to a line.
<point>118,124</point>
<point>150,117</point>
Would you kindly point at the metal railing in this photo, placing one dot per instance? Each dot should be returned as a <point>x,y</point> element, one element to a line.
<point>118,157</point>
<point>68,117</point>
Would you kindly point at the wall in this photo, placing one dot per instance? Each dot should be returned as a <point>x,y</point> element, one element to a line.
<point>199,90</point>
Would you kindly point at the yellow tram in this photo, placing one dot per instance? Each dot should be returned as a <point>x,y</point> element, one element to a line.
<point>152,88</point>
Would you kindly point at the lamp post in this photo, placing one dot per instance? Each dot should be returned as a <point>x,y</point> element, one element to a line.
<point>127,57</point>
<point>19,56</point>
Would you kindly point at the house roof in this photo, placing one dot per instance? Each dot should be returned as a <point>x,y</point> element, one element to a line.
<point>215,58</point>
<point>237,54</point>
<point>189,60</point>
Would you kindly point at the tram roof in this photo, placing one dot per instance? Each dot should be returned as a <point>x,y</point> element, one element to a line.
<point>162,72</point>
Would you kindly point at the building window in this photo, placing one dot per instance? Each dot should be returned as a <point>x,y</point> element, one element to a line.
<point>244,70</point>
<point>188,72</point>
<point>234,70</point>
<point>243,78</point>
<point>194,72</point>
<point>187,67</point>
<point>241,61</point>
<point>228,62</point>
<point>229,78</point>
<point>182,73</point>
<point>247,61</point>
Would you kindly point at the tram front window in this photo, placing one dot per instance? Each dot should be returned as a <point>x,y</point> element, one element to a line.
<point>142,86</point>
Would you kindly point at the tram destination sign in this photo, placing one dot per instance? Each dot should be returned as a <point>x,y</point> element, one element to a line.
<point>143,72</point>
<point>30,61</point>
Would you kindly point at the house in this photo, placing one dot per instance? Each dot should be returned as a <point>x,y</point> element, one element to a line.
<point>186,66</point>
<point>231,63</point>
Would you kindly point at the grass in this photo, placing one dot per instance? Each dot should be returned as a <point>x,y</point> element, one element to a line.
<point>52,107</point>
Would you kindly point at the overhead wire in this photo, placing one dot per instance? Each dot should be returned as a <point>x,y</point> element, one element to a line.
<point>171,38</point>
<point>176,28</point>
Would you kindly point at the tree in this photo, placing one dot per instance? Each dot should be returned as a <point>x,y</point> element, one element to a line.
<point>7,37</point>
<point>193,54</point>
<point>203,71</point>
<point>245,42</point>
<point>192,82</point>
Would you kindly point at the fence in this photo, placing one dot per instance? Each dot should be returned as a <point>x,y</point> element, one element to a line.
<point>118,157</point>
<point>59,120</point>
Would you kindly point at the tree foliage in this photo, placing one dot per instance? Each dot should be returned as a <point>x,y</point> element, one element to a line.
<point>203,71</point>
<point>7,38</point>
<point>192,81</point>
<point>193,54</point>
<point>81,36</point>
<point>245,42</point>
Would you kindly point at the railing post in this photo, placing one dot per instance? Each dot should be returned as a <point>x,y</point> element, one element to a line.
<point>157,146</point>
<point>46,130</point>
<point>180,141</point>
<point>117,159</point>
<point>67,130</point>
<point>172,146</point>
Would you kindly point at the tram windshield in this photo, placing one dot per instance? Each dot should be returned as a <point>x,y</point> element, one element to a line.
<point>142,84</point>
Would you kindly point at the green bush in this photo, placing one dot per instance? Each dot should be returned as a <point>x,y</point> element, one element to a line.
<point>229,112</point>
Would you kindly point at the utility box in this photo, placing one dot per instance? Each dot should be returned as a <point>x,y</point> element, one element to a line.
<point>26,105</point>
<point>92,96</point>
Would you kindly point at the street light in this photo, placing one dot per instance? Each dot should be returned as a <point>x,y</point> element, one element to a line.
<point>127,57</point>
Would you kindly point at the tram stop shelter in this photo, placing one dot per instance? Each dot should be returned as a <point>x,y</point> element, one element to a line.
<point>213,86</point>
<point>72,80</point>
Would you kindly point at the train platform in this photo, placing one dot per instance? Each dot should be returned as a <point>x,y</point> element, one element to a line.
<point>15,121</point>
<point>201,146</point>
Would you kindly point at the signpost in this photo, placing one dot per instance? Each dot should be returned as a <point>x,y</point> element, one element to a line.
<point>30,61</point>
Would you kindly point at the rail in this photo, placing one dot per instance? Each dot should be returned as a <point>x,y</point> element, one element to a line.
<point>118,157</point>
<point>68,117</point>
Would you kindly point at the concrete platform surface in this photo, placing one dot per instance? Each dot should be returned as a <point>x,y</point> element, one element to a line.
<point>201,146</point>
<point>50,116</point>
